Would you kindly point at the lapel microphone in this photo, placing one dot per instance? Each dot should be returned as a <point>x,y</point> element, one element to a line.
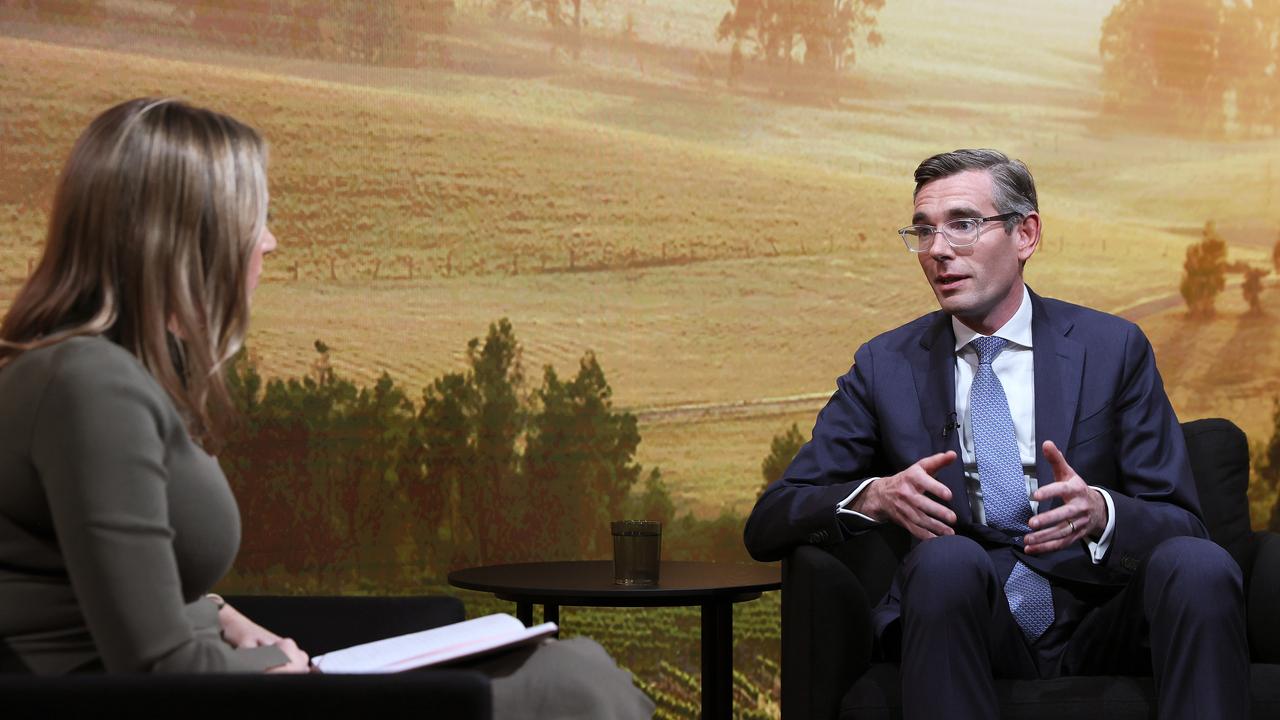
<point>950,425</point>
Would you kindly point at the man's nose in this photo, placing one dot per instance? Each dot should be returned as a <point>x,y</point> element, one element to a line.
<point>940,249</point>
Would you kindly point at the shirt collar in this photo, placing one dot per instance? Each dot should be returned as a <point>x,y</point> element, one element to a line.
<point>1016,331</point>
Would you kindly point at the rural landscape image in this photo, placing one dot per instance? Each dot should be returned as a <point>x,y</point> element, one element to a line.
<point>545,264</point>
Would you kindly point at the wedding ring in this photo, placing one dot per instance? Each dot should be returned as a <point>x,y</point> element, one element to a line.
<point>1072,523</point>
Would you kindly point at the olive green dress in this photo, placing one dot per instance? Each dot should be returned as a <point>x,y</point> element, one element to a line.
<point>113,523</point>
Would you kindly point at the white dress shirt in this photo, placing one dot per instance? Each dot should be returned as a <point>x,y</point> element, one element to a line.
<point>1015,368</point>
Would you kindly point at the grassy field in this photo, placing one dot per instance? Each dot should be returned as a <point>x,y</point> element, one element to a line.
<point>711,246</point>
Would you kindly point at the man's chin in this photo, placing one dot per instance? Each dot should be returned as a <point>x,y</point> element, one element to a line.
<point>951,303</point>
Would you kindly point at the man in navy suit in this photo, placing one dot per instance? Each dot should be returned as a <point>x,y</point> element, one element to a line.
<point>1028,446</point>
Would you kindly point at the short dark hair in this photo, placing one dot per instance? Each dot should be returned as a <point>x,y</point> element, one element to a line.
<point>1014,190</point>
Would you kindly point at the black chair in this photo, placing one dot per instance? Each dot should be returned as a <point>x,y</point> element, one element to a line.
<point>319,625</point>
<point>833,668</point>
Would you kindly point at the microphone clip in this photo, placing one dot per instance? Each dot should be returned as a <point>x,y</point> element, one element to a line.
<point>951,424</point>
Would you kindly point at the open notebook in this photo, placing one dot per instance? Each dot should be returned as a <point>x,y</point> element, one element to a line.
<point>432,647</point>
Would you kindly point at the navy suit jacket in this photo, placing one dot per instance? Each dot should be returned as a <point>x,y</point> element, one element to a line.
<point>1098,397</point>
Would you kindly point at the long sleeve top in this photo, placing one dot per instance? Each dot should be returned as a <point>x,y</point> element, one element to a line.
<point>113,522</point>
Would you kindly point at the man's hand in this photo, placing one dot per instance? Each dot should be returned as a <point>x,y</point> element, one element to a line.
<point>904,499</point>
<point>1082,513</point>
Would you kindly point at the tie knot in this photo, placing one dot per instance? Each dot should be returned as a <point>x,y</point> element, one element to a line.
<point>988,348</point>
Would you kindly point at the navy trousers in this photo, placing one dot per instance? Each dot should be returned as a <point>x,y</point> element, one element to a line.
<point>1180,619</point>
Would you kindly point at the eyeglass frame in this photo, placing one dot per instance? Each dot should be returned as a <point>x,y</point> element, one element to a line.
<point>902,232</point>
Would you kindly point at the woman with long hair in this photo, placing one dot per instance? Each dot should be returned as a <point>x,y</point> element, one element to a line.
<point>114,518</point>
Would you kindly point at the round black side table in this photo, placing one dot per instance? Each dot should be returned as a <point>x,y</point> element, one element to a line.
<point>589,583</point>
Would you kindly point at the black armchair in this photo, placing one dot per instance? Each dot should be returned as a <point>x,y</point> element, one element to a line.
<point>833,668</point>
<point>319,625</point>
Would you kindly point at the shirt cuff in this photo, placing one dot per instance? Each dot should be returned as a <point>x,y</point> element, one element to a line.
<point>841,508</point>
<point>1098,550</point>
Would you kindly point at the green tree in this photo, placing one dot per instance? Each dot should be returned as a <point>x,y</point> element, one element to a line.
<point>782,450</point>
<point>469,424</point>
<point>1204,272</point>
<point>313,464</point>
<point>342,484</point>
<point>1252,288</point>
<point>443,448</point>
<point>579,461</point>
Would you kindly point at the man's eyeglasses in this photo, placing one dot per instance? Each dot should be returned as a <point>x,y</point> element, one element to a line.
<point>959,233</point>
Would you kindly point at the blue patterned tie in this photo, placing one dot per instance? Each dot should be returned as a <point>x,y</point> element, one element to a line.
<point>1004,490</point>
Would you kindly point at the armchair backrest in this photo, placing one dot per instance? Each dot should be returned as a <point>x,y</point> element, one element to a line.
<point>1219,453</point>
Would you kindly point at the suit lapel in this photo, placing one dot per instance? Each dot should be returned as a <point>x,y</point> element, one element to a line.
<point>933,369</point>
<point>1059,372</point>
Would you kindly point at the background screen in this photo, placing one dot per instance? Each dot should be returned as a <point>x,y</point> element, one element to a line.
<point>667,225</point>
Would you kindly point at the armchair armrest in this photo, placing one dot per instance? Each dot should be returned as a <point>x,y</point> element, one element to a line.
<point>440,693</point>
<point>321,624</point>
<point>1264,598</point>
<point>827,635</point>
<point>826,632</point>
<point>318,624</point>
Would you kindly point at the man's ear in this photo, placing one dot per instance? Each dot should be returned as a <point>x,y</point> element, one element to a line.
<point>1027,236</point>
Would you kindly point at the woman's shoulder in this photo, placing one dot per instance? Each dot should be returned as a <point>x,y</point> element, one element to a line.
<point>88,355</point>
<point>89,366</point>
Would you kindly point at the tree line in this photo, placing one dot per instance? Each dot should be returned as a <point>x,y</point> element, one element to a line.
<point>339,483</point>
<point>810,36</point>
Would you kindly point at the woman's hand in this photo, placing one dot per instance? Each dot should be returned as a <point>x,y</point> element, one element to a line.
<point>298,660</point>
<point>241,632</point>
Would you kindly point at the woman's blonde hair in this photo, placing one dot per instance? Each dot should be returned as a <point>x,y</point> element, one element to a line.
<point>155,220</point>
